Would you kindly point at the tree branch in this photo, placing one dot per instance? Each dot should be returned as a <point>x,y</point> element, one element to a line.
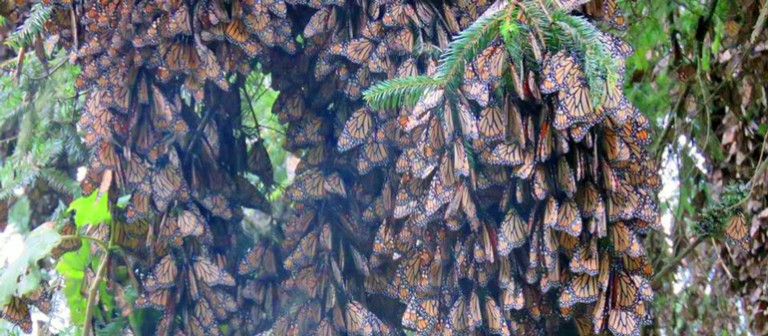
<point>95,286</point>
<point>676,262</point>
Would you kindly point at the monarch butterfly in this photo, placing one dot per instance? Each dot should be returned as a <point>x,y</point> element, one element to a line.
<point>95,120</point>
<point>540,183</point>
<point>407,68</point>
<point>217,204</point>
<point>620,109</point>
<point>179,22</point>
<point>636,129</point>
<point>474,314</point>
<point>209,273</point>
<point>380,282</point>
<point>163,274</point>
<point>623,323</point>
<point>737,231</point>
<point>624,202</point>
<point>222,303</point>
<point>105,157</point>
<point>321,22</point>
<point>309,281</point>
<point>209,66</point>
<point>525,170</point>
<point>303,254</point>
<point>512,234</point>
<point>550,261</point>
<point>214,31</point>
<point>399,14</point>
<point>625,241</point>
<point>357,128</point>
<point>574,106</point>
<point>616,149</point>
<point>438,195</point>
<point>276,7</point>
<point>358,51</point>
<point>460,160</point>
<point>373,30</point>
<point>491,61</point>
<point>429,100</point>
<point>261,259</point>
<point>566,181</point>
<point>157,299</point>
<point>138,208</point>
<point>484,247</point>
<point>474,88</point>
<point>612,14</point>
<point>190,223</point>
<point>17,312</point>
<point>379,61</point>
<point>648,213</point>
<point>178,56</point>
<point>585,259</point>
<point>555,70</point>
<point>204,314</point>
<point>350,86</point>
<point>421,315</point>
<point>568,5</point>
<point>325,328</point>
<point>401,41</point>
<point>459,316</point>
<point>512,297</point>
<point>406,198</point>
<point>551,212</point>
<point>492,124</point>
<point>373,154</point>
<point>587,198</point>
<point>361,264</point>
<point>335,185</point>
<point>623,290</point>
<point>361,322</point>
<point>412,270</point>
<point>310,185</point>
<point>569,218</point>
<point>494,320</point>
<point>583,288</point>
<point>166,115</point>
<point>68,228</point>
<point>137,176</point>
<point>167,187</point>
<point>599,312</point>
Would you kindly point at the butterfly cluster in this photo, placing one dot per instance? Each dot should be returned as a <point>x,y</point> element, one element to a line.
<point>510,204</point>
<point>160,100</point>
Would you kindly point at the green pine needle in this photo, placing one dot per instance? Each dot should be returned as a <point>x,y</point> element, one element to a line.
<point>467,44</point>
<point>399,91</point>
<point>31,26</point>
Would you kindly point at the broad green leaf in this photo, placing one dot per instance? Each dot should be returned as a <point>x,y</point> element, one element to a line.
<point>91,210</point>
<point>72,267</point>
<point>37,245</point>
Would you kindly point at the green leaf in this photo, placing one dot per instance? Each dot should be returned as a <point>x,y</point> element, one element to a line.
<point>14,279</point>
<point>91,210</point>
<point>19,214</point>
<point>72,267</point>
<point>122,202</point>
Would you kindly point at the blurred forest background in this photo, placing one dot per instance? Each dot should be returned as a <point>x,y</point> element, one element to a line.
<point>699,72</point>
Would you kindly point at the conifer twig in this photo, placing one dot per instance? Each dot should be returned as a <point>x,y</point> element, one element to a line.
<point>676,262</point>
